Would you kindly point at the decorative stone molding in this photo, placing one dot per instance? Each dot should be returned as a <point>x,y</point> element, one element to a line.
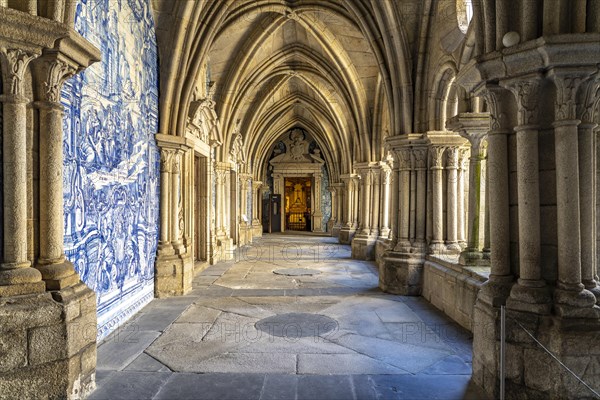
<point>589,98</point>
<point>452,157</point>
<point>55,72</point>
<point>14,63</point>
<point>526,91</point>
<point>166,157</point>
<point>437,157</point>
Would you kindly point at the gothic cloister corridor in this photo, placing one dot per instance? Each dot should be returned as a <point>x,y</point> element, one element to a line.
<point>299,199</point>
<point>375,346</point>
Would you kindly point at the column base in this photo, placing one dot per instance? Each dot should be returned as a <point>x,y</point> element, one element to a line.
<point>531,373</point>
<point>346,235</point>
<point>335,230</point>
<point>173,276</point>
<point>178,247</point>
<point>165,249</point>
<point>496,290</point>
<point>225,249</point>
<point>527,298</point>
<point>59,276</point>
<point>363,247</point>
<point>575,303</point>
<point>401,273</point>
<point>384,233</point>
<point>50,343</point>
<point>594,288</point>
<point>257,229</point>
<point>403,246</point>
<point>473,258</point>
<point>20,281</point>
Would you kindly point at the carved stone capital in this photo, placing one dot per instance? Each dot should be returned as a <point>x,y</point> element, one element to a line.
<point>404,159</point>
<point>463,157</point>
<point>50,74</point>
<point>496,97</point>
<point>588,99</point>
<point>14,63</point>
<point>256,185</point>
<point>436,158</point>
<point>567,85</point>
<point>166,157</point>
<point>386,176</point>
<point>527,94</point>
<point>176,162</point>
<point>420,158</point>
<point>452,158</point>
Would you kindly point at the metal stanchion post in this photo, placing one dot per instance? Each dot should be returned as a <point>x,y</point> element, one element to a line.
<point>502,349</point>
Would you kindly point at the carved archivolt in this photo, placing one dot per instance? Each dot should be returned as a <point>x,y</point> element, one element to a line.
<point>203,122</point>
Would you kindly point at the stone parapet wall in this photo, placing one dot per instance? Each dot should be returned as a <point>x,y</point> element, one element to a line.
<point>452,289</point>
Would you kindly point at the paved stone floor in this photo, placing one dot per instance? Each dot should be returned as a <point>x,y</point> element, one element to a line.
<point>245,332</point>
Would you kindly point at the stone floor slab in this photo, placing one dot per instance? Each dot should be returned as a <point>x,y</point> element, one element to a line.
<point>212,387</point>
<point>384,346</point>
<point>325,388</point>
<point>118,352</point>
<point>145,363</point>
<point>130,386</point>
<point>344,364</point>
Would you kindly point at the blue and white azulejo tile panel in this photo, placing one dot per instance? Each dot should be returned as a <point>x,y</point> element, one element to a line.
<point>111,161</point>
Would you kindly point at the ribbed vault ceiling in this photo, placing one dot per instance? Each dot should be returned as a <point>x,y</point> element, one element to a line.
<point>282,64</point>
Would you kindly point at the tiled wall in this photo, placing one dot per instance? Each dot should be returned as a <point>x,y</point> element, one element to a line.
<point>325,198</point>
<point>111,161</point>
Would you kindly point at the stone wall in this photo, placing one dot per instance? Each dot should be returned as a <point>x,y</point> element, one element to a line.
<point>111,160</point>
<point>453,289</point>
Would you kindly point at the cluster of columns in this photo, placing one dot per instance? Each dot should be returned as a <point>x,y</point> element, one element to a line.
<point>20,251</point>
<point>543,264</point>
<point>448,172</point>
<point>474,127</point>
<point>171,239</point>
<point>350,200</point>
<point>374,180</point>
<point>37,282</point>
<point>574,215</point>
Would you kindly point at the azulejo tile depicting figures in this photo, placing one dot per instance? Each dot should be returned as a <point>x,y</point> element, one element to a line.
<point>111,159</point>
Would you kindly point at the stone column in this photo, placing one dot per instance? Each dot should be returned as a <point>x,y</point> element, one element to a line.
<point>486,251</point>
<point>349,201</point>
<point>50,73</point>
<point>188,206</point>
<point>340,207</point>
<point>355,201</point>
<point>386,177</point>
<point>451,200</point>
<point>164,246</point>
<point>463,157</point>
<point>243,197</point>
<point>375,200</point>
<point>474,127</point>
<point>570,297</point>
<point>420,160</point>
<point>436,155</point>
<point>317,222</point>
<point>530,292</point>
<point>175,231</point>
<point>256,202</point>
<point>219,183</point>
<point>16,274</point>
<point>395,201</point>
<point>404,167</point>
<point>243,223</point>
<point>334,206</point>
<point>496,289</point>
<point>366,182</point>
<point>587,186</point>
